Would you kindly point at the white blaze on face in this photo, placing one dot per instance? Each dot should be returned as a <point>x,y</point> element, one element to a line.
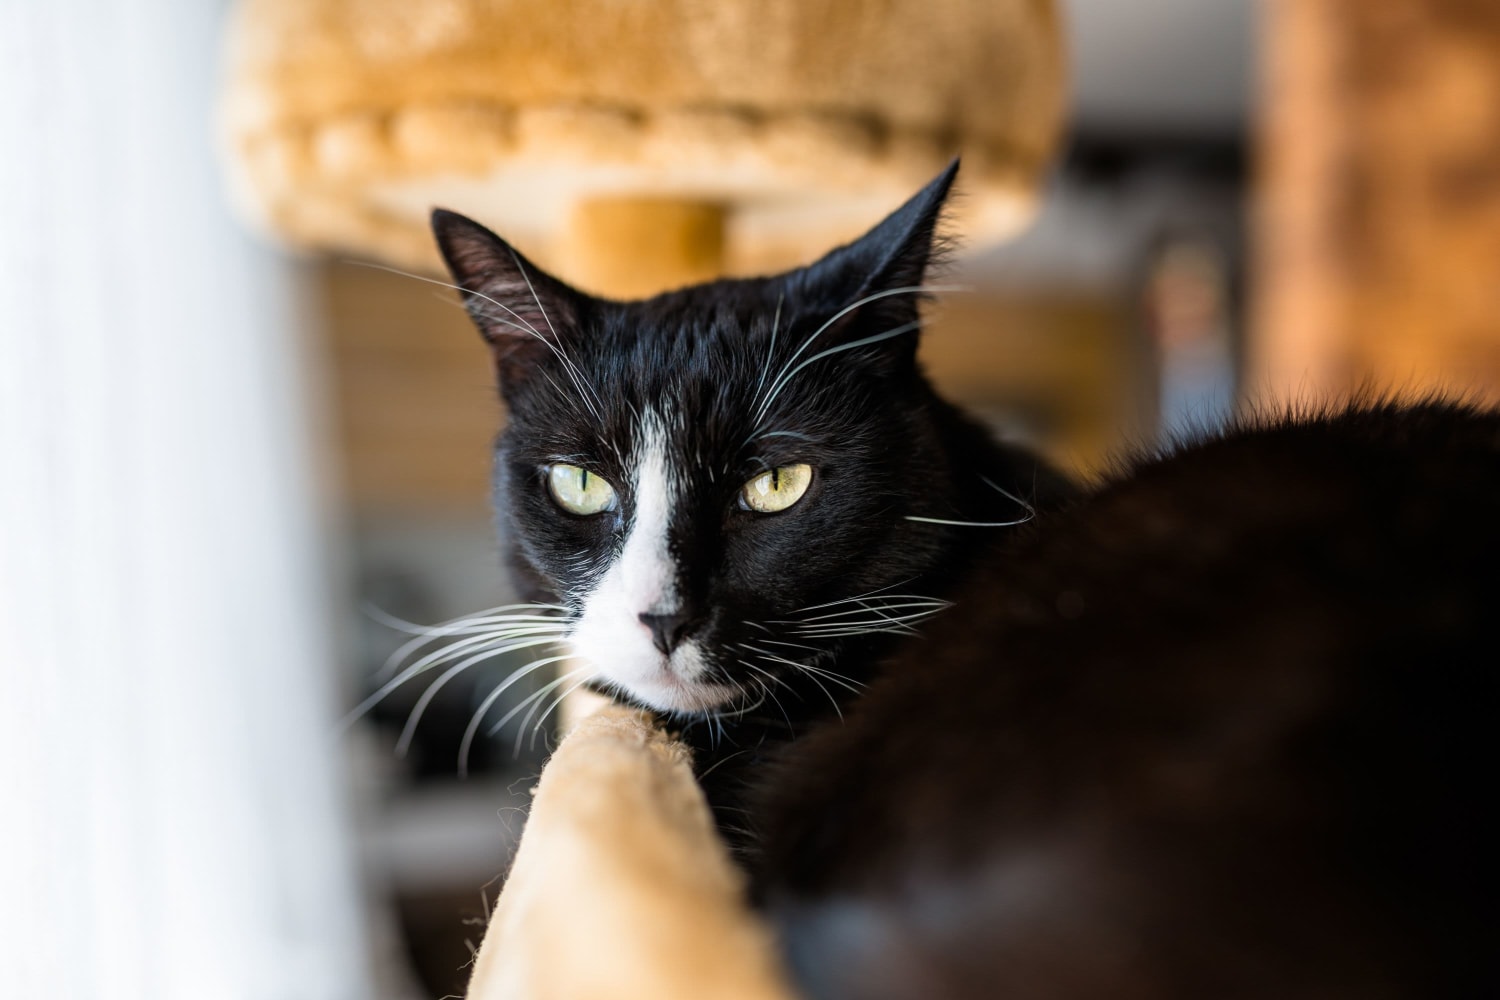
<point>609,635</point>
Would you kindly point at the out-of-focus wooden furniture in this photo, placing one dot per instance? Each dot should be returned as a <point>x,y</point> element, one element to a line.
<point>1379,205</point>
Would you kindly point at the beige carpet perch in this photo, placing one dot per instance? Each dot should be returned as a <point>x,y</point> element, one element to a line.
<point>621,888</point>
<point>633,146</point>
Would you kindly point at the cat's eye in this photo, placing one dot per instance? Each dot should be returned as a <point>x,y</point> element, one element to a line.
<point>579,491</point>
<point>776,489</point>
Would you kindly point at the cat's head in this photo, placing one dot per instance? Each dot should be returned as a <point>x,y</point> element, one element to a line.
<point>718,482</point>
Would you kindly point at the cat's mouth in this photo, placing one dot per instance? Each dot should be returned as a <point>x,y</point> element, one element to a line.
<point>668,692</point>
<point>676,684</point>
<point>640,646</point>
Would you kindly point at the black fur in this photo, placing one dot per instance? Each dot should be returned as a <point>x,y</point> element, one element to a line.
<point>1217,729</point>
<point>1221,729</point>
<point>884,447</point>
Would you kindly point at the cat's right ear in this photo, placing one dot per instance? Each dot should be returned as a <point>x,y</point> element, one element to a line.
<point>522,312</point>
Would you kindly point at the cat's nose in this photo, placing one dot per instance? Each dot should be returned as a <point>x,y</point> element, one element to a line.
<point>667,630</point>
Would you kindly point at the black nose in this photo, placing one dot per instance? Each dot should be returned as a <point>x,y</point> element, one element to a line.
<point>667,630</point>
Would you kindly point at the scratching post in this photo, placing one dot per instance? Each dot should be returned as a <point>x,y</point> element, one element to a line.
<point>635,247</point>
<point>621,888</point>
<point>797,124</point>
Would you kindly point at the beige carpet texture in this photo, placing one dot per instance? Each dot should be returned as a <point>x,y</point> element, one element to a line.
<point>795,124</point>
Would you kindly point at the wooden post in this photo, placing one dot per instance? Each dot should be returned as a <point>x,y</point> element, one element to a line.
<point>1378,215</point>
<point>630,247</point>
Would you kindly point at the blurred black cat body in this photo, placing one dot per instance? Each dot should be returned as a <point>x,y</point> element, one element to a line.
<point>1222,728</point>
<point>1217,727</point>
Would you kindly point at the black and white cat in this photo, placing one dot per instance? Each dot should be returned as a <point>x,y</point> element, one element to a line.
<point>732,483</point>
<point>1217,728</point>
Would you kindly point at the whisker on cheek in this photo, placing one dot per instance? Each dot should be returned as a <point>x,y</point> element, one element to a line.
<point>536,729</point>
<point>410,729</point>
<point>484,706</point>
<point>488,646</point>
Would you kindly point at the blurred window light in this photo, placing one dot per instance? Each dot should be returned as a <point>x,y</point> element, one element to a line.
<point>172,824</point>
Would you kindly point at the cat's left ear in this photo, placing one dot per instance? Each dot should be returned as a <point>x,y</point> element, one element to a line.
<point>522,312</point>
<point>886,268</point>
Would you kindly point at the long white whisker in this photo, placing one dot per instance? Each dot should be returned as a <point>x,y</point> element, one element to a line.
<point>1008,495</point>
<point>745,710</point>
<point>409,730</point>
<point>479,626</point>
<point>792,645</point>
<point>393,662</point>
<point>548,320</point>
<point>907,290</point>
<point>811,670</point>
<point>516,259</point>
<point>839,679</point>
<point>484,707</point>
<point>873,629</point>
<point>831,699</point>
<point>860,597</point>
<point>521,706</point>
<point>453,650</point>
<point>781,383</point>
<point>865,619</point>
<point>537,727</point>
<point>878,608</point>
<point>720,762</point>
<point>839,628</point>
<point>573,374</point>
<point>1030,512</point>
<point>402,625</point>
<point>770,353</point>
<point>384,690</point>
<point>971,524</point>
<point>770,689</point>
<point>523,326</point>
<point>535,701</point>
<point>860,622</point>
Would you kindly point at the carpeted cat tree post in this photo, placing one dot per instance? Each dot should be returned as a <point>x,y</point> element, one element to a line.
<point>631,147</point>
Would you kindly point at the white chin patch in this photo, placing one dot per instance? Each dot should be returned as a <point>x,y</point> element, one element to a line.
<point>623,660</point>
<point>609,635</point>
<point>675,684</point>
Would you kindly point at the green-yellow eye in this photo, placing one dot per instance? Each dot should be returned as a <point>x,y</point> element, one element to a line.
<point>776,489</point>
<point>580,491</point>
